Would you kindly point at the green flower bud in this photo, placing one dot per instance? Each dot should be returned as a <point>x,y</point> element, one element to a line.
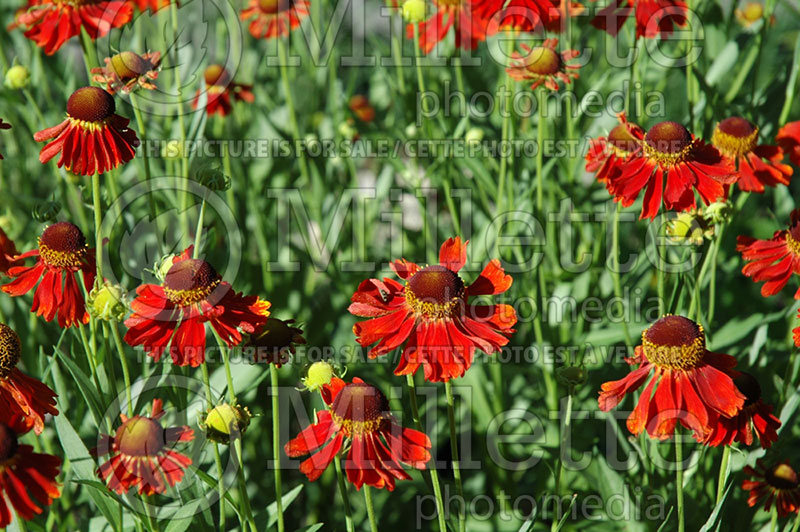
<point>414,11</point>
<point>108,302</point>
<point>18,77</point>
<point>319,374</point>
<point>224,423</point>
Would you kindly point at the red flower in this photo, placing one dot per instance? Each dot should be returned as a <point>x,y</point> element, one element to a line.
<point>755,415</point>
<point>27,479</point>
<point>469,26</point>
<point>687,383</point>
<point>93,139</point>
<point>8,250</point>
<point>773,260</point>
<point>24,401</point>
<point>360,106</point>
<point>51,23</point>
<point>558,18</point>
<point>544,65</point>
<point>758,165</point>
<point>274,340</point>
<point>127,71</point>
<point>523,15</point>
<point>3,125</point>
<point>62,253</point>
<point>778,485</point>
<point>606,153</point>
<point>359,418</point>
<point>172,317</point>
<point>653,17</point>
<point>152,5</point>
<point>142,454</point>
<point>432,312</point>
<point>219,88</point>
<point>274,18</point>
<point>789,139</point>
<point>670,164</point>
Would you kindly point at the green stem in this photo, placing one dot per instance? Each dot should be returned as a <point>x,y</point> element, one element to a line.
<point>348,512</point>
<point>199,232</point>
<point>373,523</point>
<point>679,481</point>
<point>421,80</point>
<point>660,250</point>
<point>184,194</point>
<point>276,447</point>
<point>397,51</point>
<point>283,57</point>
<point>773,522</point>
<point>98,221</point>
<point>140,123</point>
<point>540,156</point>
<point>505,161</point>
<point>796,525</point>
<point>615,274</point>
<point>123,358</point>
<point>689,77</point>
<point>451,417</point>
<point>565,428</point>
<point>217,457</point>
<point>723,473</point>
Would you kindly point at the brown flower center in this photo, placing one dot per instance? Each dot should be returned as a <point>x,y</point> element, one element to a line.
<point>360,409</point>
<point>62,245</point>
<point>783,477</point>
<point>129,65</point>
<point>543,61</point>
<point>90,104</point>
<point>434,292</point>
<point>190,281</point>
<point>8,443</point>
<point>622,140</point>
<point>735,136</point>
<point>668,143</point>
<point>273,6</point>
<point>140,436</point>
<point>674,342</point>
<point>749,386</point>
<point>10,349</point>
<point>216,75</point>
<point>274,334</point>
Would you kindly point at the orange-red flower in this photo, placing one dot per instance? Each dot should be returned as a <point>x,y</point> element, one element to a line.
<point>274,18</point>
<point>558,19</point>
<point>544,65</point>
<point>778,485</point>
<point>4,125</point>
<point>757,165</point>
<point>274,341</point>
<point>220,87</point>
<point>653,17</point>
<point>469,26</point>
<point>756,416</point>
<point>8,250</point>
<point>93,139</point>
<point>432,315</point>
<point>62,253</point>
<point>172,317</point>
<point>142,454</point>
<point>27,479</point>
<point>774,260</point>
<point>670,165</point>
<point>24,401</point>
<point>359,418</point>
<point>606,153</point>
<point>360,106</point>
<point>687,383</point>
<point>789,139</point>
<point>152,5</point>
<point>522,15</point>
<point>51,23</point>
<point>127,71</point>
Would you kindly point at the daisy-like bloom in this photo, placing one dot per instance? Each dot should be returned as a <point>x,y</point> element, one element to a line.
<point>93,139</point>
<point>670,164</point>
<point>274,341</point>
<point>653,17</point>
<point>774,260</point>
<point>8,250</point>
<point>521,15</point>
<point>220,87</point>
<point>757,165</point>
<point>172,317</point>
<point>24,401</point>
<point>274,18</point>
<point>127,71</point>
<point>51,23</point>
<point>61,255</point>
<point>4,125</point>
<point>778,485</point>
<point>432,315</point>
<point>359,418</point>
<point>24,473</point>
<point>543,65</point>
<point>469,26</point>
<point>686,382</point>
<point>756,416</point>
<point>789,139</point>
<point>606,153</point>
<point>142,454</point>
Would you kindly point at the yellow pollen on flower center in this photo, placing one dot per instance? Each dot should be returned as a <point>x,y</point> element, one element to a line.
<point>190,281</point>
<point>434,292</point>
<point>62,245</point>
<point>543,61</point>
<point>674,342</point>
<point>359,409</point>
<point>792,243</point>
<point>668,143</point>
<point>10,349</point>
<point>735,136</point>
<point>621,141</point>
<point>783,477</point>
<point>449,3</point>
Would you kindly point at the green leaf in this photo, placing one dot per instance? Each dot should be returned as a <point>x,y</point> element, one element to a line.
<point>182,519</point>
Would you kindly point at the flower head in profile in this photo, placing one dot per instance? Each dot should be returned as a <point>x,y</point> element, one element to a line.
<point>431,317</point>
<point>543,65</point>
<point>274,18</point>
<point>468,25</point>
<point>128,71</point>
<point>172,317</point>
<point>756,417</point>
<point>788,138</point>
<point>654,18</point>
<point>775,260</point>
<point>670,166</point>
<point>686,383</point>
<point>219,88</point>
<point>24,401</point>
<point>757,165</point>
<point>274,340</point>
<point>62,254</point>
<point>358,418</point>
<point>8,250</point>
<point>142,454</point>
<point>93,139</point>
<point>778,485</point>
<point>606,153</point>
<point>51,23</point>
<point>520,15</point>
<point>27,479</point>
<point>3,125</point>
